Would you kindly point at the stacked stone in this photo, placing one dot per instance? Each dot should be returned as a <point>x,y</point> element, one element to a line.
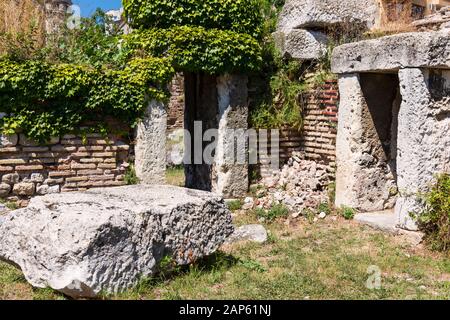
<point>64,164</point>
<point>175,109</point>
<point>299,185</point>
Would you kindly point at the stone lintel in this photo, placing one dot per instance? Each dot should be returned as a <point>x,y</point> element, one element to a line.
<point>391,53</point>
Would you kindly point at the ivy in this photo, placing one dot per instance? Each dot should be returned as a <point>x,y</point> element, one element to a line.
<point>240,16</point>
<point>45,100</point>
<point>93,73</point>
<point>197,49</point>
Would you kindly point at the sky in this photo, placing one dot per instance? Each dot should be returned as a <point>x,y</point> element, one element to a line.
<point>88,6</point>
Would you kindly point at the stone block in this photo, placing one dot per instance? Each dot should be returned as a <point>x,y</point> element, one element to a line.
<point>391,53</point>
<point>301,44</point>
<point>8,140</point>
<point>105,240</point>
<point>326,13</point>
<point>24,189</point>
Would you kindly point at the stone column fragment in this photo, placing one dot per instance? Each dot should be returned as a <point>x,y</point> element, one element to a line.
<point>150,147</point>
<point>231,159</point>
<point>423,137</point>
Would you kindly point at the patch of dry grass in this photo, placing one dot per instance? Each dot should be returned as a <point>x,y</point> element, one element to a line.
<point>19,20</point>
<point>396,17</point>
<point>175,176</point>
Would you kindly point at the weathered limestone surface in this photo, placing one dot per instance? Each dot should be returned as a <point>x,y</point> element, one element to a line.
<point>423,136</point>
<point>106,239</point>
<point>218,157</point>
<point>252,232</point>
<point>150,147</point>
<point>407,50</point>
<point>301,44</point>
<point>8,140</point>
<point>321,13</point>
<point>365,170</point>
<point>231,163</point>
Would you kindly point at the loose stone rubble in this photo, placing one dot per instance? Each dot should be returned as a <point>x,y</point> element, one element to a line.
<point>104,240</point>
<point>3,209</point>
<point>253,232</point>
<point>300,184</point>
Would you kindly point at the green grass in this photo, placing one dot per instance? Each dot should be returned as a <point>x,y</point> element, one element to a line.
<point>9,204</point>
<point>175,176</point>
<point>235,205</point>
<point>130,177</point>
<point>346,212</point>
<point>325,260</point>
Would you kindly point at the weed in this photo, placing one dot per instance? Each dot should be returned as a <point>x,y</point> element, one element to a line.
<point>434,221</point>
<point>252,265</point>
<point>130,177</point>
<point>235,205</point>
<point>275,212</point>
<point>324,207</point>
<point>11,205</point>
<point>347,212</point>
<point>309,215</point>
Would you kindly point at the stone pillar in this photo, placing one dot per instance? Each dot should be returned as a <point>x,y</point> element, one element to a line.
<point>150,150</point>
<point>365,176</point>
<point>231,159</point>
<point>423,137</point>
<point>217,103</point>
<point>349,132</point>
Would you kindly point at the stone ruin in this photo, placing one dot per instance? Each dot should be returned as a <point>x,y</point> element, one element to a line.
<point>394,121</point>
<point>393,136</point>
<point>437,21</point>
<point>214,102</point>
<point>105,240</point>
<point>304,25</point>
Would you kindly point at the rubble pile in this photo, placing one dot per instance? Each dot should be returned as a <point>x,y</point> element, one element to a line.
<point>301,184</point>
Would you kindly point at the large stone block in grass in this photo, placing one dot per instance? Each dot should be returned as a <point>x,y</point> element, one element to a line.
<point>104,240</point>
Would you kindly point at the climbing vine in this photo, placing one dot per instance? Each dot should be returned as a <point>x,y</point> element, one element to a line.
<point>197,49</point>
<point>240,16</point>
<point>45,100</point>
<point>94,72</point>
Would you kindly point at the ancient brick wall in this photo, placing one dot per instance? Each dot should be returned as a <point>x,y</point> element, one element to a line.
<point>69,163</point>
<point>320,124</point>
<point>318,137</point>
<point>175,110</point>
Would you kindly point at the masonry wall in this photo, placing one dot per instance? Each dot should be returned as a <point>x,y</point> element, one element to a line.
<point>317,139</point>
<point>69,163</point>
<point>175,110</point>
<point>320,124</point>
